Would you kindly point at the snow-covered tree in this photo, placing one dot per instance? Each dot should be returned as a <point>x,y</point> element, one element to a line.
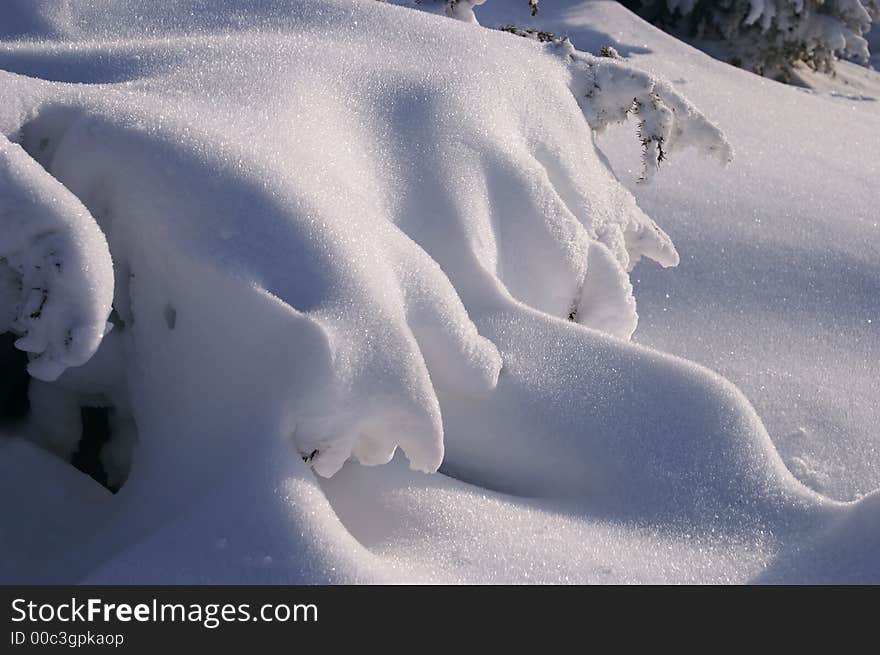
<point>769,36</point>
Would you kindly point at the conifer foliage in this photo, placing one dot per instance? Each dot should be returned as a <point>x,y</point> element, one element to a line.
<point>770,36</point>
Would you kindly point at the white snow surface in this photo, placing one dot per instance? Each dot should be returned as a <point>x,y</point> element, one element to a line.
<point>340,227</point>
<point>52,249</point>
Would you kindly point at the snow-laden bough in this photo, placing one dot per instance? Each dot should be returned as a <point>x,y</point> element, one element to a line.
<point>55,265</point>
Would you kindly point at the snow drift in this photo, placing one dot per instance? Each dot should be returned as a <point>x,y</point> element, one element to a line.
<point>336,229</point>
<point>370,209</point>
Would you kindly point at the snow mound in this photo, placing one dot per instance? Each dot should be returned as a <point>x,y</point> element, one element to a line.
<point>778,285</point>
<point>371,209</point>
<point>339,228</point>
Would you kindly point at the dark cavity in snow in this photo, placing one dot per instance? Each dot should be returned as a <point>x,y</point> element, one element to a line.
<point>95,435</point>
<point>170,316</point>
<point>14,380</point>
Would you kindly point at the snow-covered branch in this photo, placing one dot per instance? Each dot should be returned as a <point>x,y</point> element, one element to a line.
<point>610,90</point>
<point>56,265</point>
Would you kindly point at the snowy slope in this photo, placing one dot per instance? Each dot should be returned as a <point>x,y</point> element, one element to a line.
<point>342,227</point>
<point>779,285</point>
